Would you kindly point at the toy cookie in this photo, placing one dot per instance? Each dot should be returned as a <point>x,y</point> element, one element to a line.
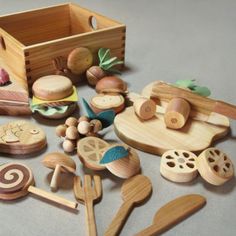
<point>54,97</point>
<point>215,166</point>
<point>178,165</point>
<point>21,137</point>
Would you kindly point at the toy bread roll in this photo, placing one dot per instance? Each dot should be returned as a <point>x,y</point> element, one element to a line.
<point>215,166</point>
<point>144,108</point>
<point>177,113</point>
<point>178,165</point>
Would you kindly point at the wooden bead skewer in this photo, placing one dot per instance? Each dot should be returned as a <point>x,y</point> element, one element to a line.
<point>16,181</point>
<point>177,113</point>
<point>172,213</point>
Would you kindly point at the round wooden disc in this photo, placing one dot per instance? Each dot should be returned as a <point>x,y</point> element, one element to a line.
<point>15,179</point>
<point>215,166</point>
<point>178,165</point>
<point>90,151</point>
<point>125,167</point>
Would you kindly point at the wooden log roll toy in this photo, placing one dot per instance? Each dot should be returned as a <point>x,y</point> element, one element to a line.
<point>177,113</point>
<point>17,180</point>
<point>215,166</point>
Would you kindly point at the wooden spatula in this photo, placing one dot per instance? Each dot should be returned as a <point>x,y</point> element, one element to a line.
<point>134,191</point>
<point>88,194</point>
<point>173,212</point>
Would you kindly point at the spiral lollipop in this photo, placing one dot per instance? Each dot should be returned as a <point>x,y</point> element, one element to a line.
<point>16,181</point>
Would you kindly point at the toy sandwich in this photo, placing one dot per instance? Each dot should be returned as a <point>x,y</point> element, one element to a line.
<point>54,97</point>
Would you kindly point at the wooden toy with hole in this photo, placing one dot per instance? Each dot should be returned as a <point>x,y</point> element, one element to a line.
<point>152,135</point>
<point>134,191</point>
<point>21,137</point>
<point>172,213</point>
<point>88,194</point>
<point>29,55</point>
<point>17,180</point>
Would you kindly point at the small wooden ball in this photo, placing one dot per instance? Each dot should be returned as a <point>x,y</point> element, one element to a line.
<point>96,125</point>
<point>84,127</point>
<point>71,121</point>
<point>72,133</point>
<point>61,130</point>
<point>68,145</point>
<point>83,118</point>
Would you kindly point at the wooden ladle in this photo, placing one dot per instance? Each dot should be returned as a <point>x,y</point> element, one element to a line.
<point>134,191</point>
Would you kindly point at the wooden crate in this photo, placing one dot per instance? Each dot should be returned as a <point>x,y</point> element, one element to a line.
<point>30,40</point>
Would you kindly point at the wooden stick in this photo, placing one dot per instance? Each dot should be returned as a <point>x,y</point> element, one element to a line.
<point>52,197</point>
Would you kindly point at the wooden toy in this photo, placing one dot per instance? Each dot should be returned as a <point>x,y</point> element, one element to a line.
<point>167,92</point>
<point>90,150</point>
<point>88,194</point>
<point>59,162</point>
<point>79,60</point>
<point>153,136</point>
<point>134,191</point>
<point>21,137</point>
<point>14,98</point>
<point>106,65</point>
<point>215,166</point>
<point>178,165</point>
<point>172,213</point>
<point>54,97</point>
<point>16,181</point>
<point>111,84</point>
<point>102,102</point>
<point>29,54</point>
<point>124,167</point>
<point>75,129</point>
<point>144,108</point>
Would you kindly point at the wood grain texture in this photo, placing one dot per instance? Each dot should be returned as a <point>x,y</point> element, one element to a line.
<point>88,194</point>
<point>134,191</point>
<point>28,138</point>
<point>215,166</point>
<point>153,136</point>
<point>172,213</point>
<point>199,103</point>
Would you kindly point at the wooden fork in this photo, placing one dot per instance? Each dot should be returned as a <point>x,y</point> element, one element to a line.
<point>87,195</point>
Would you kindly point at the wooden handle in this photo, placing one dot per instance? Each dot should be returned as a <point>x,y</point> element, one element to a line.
<point>55,177</point>
<point>119,220</point>
<point>52,197</point>
<point>2,43</point>
<point>90,219</point>
<point>226,109</point>
<point>149,231</point>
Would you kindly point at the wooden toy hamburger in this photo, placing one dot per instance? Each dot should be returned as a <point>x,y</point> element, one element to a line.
<point>54,97</point>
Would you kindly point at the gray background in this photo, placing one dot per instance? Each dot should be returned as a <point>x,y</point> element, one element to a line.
<point>166,40</point>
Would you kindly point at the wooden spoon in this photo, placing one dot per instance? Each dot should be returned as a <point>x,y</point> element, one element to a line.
<point>134,191</point>
<point>173,212</point>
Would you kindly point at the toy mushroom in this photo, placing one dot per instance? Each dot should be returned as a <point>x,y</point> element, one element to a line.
<point>60,162</point>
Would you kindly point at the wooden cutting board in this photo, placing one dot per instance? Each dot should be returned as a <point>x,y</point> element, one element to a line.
<point>152,135</point>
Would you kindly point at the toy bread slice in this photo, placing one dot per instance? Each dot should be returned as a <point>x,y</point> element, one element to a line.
<point>178,165</point>
<point>215,166</point>
<point>103,102</point>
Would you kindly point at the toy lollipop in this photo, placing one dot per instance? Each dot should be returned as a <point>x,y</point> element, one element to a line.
<point>17,180</point>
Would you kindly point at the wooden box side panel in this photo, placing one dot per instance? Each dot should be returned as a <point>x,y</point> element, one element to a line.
<point>39,58</point>
<point>13,56</point>
<point>38,26</point>
<point>81,20</point>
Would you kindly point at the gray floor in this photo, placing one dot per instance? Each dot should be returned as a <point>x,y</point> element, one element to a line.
<point>166,40</point>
